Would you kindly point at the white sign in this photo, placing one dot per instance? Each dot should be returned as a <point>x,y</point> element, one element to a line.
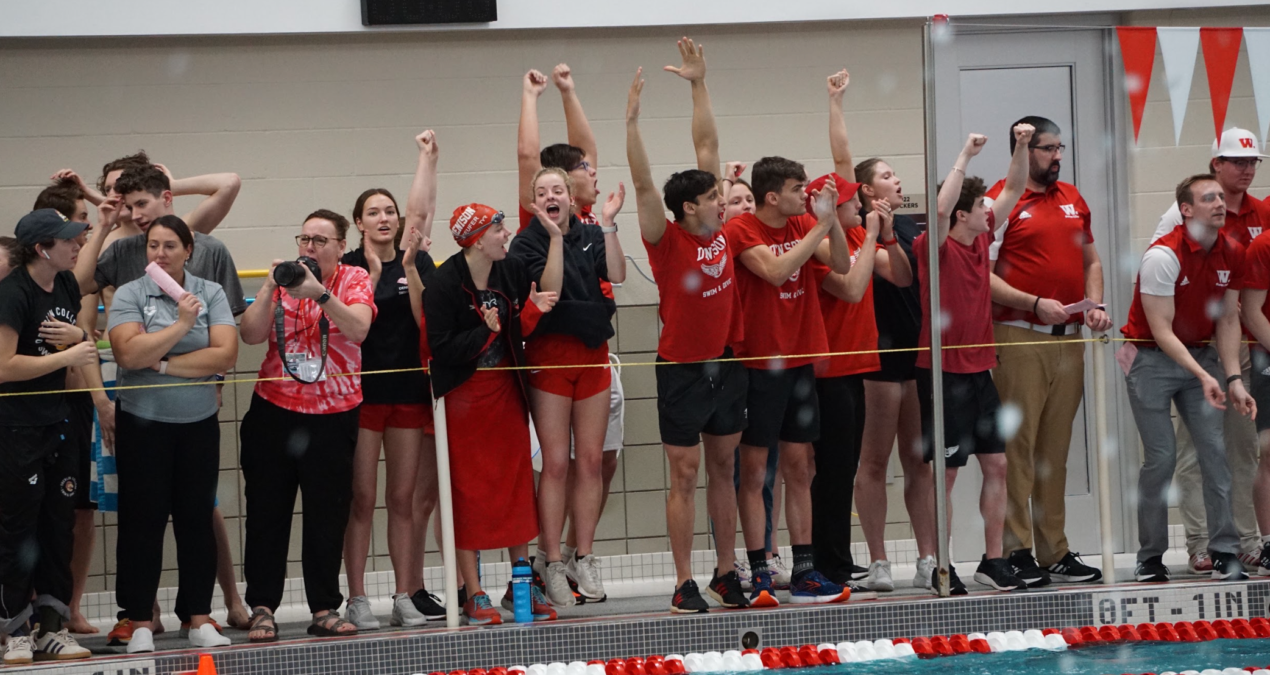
<point>1209,603</point>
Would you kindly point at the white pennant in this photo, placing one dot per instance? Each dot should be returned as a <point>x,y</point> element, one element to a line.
<point>1179,47</point>
<point>1257,41</point>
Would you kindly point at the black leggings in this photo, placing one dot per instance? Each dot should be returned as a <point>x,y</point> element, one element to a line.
<point>837,459</point>
<point>165,469</point>
<point>282,451</point>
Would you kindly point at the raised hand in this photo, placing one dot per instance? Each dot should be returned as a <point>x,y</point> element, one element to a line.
<point>187,309</point>
<point>1023,133</point>
<point>837,84</point>
<point>887,217</point>
<point>694,61</point>
<point>165,171</point>
<point>544,300</point>
<point>376,266</point>
<point>414,243</point>
<point>733,170</point>
<point>547,223</point>
<point>974,144</point>
<point>825,201</point>
<point>632,98</point>
<point>535,83</point>
<point>563,77</point>
<point>613,204</point>
<point>65,174</point>
<point>427,142</point>
<point>108,214</point>
<point>491,319</point>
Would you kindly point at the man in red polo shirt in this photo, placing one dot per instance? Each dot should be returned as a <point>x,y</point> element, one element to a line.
<point>1187,293</point>
<point>1045,259</point>
<point>1254,309</point>
<point>964,229</point>
<point>1234,163</point>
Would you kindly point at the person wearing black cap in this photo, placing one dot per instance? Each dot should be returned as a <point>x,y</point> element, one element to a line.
<point>39,302</point>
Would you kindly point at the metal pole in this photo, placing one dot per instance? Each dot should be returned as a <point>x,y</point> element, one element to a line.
<point>445,497</point>
<point>936,357</point>
<point>1104,458</point>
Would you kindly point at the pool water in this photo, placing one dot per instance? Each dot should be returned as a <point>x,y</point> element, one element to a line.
<point>1113,659</point>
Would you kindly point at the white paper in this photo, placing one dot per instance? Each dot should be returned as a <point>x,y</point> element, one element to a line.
<point>1082,306</point>
<point>1179,47</point>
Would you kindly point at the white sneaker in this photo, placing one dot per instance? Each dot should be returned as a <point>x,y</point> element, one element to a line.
<point>404,612</point>
<point>742,568</point>
<point>925,570</point>
<point>879,577</point>
<point>359,614</point>
<point>142,641</point>
<point>586,574</point>
<point>206,635</point>
<point>18,652</point>
<point>556,579</point>
<point>782,575</point>
<point>60,646</point>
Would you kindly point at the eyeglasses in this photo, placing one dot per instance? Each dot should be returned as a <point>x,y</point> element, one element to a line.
<point>1243,162</point>
<point>584,165</point>
<point>318,240</point>
<point>1056,147</point>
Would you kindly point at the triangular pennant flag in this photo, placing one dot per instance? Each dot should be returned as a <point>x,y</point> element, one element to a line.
<point>1137,50</point>
<point>1179,47</point>
<point>1221,52</point>
<point>1257,41</point>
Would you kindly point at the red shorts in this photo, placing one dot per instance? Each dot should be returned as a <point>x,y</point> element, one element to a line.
<point>378,416</point>
<point>575,383</point>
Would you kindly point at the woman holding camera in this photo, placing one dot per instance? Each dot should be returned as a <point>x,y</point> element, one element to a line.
<point>167,442</point>
<point>301,428</point>
<point>479,307</point>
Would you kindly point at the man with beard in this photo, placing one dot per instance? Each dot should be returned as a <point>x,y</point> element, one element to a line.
<point>1045,259</point>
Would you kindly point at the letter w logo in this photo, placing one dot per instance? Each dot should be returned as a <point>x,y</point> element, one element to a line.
<point>1247,143</point>
<point>1069,210</point>
<point>1223,277</point>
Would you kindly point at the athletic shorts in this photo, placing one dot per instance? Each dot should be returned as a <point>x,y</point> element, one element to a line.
<point>896,367</point>
<point>575,383</point>
<point>379,416</point>
<point>782,406</point>
<point>1259,386</point>
<point>700,398</point>
<point>617,412</point>
<point>971,405</point>
<point>80,418</point>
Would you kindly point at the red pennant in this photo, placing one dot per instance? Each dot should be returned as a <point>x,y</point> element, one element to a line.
<point>1137,50</point>
<point>1221,52</point>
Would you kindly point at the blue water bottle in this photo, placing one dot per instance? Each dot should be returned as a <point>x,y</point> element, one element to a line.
<point>522,579</point>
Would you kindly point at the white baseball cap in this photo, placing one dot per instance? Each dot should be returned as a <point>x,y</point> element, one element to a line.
<point>1236,142</point>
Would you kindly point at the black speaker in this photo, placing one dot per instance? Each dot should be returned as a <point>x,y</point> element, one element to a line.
<point>398,12</point>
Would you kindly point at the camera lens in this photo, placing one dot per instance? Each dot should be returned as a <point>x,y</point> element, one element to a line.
<point>288,274</point>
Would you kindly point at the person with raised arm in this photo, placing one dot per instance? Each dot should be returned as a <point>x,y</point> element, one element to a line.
<point>578,157</point>
<point>964,231</point>
<point>480,306</point>
<point>1184,334</point>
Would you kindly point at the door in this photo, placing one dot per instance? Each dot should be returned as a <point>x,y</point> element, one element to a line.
<point>984,82</point>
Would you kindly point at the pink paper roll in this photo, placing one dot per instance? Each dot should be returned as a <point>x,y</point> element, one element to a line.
<point>165,281</point>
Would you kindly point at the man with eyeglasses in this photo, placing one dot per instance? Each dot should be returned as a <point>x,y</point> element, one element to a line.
<point>1044,260</point>
<point>1234,163</point>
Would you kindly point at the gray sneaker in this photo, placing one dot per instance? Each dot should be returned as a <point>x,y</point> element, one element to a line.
<point>925,570</point>
<point>586,574</point>
<point>555,578</point>
<point>404,612</point>
<point>359,614</point>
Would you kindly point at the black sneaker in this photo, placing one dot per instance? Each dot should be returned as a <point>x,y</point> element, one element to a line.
<point>429,605</point>
<point>1026,569</point>
<point>1263,560</point>
<point>726,590</point>
<point>1152,570</point>
<point>998,573</point>
<point>1071,570</point>
<point>463,596</point>
<point>688,600</point>
<point>955,584</point>
<point>856,572</point>
<point>1226,567</point>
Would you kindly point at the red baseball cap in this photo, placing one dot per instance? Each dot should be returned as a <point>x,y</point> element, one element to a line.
<point>846,189</point>
<point>469,222</point>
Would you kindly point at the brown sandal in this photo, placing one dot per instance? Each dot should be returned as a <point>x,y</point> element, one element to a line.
<point>322,626</point>
<point>263,621</point>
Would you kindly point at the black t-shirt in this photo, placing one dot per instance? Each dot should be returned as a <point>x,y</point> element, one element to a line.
<point>393,340</point>
<point>898,311</point>
<point>23,306</point>
<point>497,350</point>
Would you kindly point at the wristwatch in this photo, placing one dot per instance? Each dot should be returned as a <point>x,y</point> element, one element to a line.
<point>163,367</point>
<point>609,230</point>
<point>326,295</point>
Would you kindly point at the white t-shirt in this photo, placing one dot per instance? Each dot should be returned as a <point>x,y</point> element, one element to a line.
<point>1168,222</point>
<point>1159,272</point>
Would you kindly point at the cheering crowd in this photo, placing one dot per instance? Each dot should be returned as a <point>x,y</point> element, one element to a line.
<point>757,281</point>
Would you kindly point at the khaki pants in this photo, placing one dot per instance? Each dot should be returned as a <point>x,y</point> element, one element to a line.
<point>1241,454</point>
<point>1045,383</point>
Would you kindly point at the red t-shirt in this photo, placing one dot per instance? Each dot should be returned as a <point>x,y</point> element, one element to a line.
<point>849,326</point>
<point>965,302</point>
<point>300,319</point>
<point>1040,248</point>
<point>699,307</point>
<point>1203,279</point>
<point>1257,269</point>
<point>1246,225</point>
<point>783,320</point>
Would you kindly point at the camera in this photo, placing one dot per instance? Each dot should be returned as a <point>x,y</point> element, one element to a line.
<point>290,274</point>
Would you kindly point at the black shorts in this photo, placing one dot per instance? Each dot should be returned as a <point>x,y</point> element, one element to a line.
<point>1259,386</point>
<point>896,367</point>
<point>700,398</point>
<point>81,437</point>
<point>782,406</point>
<point>971,404</point>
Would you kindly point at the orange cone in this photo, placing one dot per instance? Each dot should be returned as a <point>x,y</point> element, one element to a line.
<point>206,666</point>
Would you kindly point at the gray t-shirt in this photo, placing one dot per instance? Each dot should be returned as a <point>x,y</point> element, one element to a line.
<point>142,302</point>
<point>125,261</point>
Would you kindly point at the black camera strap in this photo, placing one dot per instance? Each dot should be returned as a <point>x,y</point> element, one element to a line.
<point>324,329</point>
